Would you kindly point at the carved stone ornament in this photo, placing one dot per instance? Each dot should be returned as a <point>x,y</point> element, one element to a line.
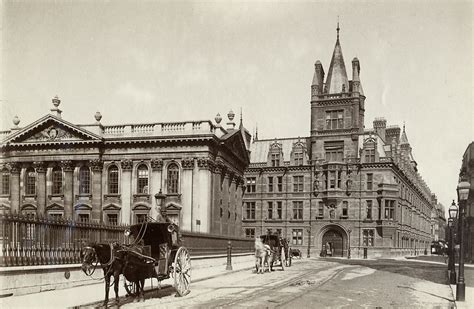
<point>39,166</point>
<point>187,163</point>
<point>96,165</point>
<point>67,165</point>
<point>156,164</point>
<point>15,167</point>
<point>203,163</point>
<point>126,164</point>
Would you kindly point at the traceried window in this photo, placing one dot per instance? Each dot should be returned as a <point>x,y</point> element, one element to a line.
<point>334,120</point>
<point>389,209</point>
<point>5,179</point>
<point>270,184</point>
<point>250,233</point>
<point>250,210</point>
<point>280,183</point>
<point>279,210</point>
<point>173,178</point>
<point>297,236</point>
<point>57,180</point>
<point>368,237</point>
<point>30,186</point>
<point>275,159</point>
<point>113,179</point>
<point>84,180</point>
<point>334,151</point>
<point>298,183</point>
<point>142,179</point>
<point>297,210</point>
<point>270,211</point>
<point>251,184</point>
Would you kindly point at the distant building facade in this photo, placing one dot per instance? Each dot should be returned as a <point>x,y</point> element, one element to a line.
<point>343,186</point>
<point>467,173</point>
<point>110,173</point>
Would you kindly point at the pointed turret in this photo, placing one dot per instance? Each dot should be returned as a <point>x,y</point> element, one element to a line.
<point>356,85</point>
<point>318,80</point>
<point>337,81</point>
<point>403,138</point>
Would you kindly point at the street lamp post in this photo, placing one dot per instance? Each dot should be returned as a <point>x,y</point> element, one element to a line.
<point>159,198</point>
<point>349,244</point>
<point>463,193</point>
<point>453,210</point>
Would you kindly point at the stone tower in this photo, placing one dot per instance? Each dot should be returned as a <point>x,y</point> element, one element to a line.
<point>337,109</point>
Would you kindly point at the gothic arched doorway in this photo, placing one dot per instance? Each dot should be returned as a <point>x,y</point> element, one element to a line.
<point>333,242</point>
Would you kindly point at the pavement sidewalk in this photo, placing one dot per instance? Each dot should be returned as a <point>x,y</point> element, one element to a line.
<point>80,295</point>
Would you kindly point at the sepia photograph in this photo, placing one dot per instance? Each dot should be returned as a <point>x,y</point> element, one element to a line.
<point>236,154</point>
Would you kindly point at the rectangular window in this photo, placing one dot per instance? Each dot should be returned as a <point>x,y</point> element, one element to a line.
<point>250,210</point>
<point>297,183</point>
<point>298,210</point>
<point>370,180</point>
<point>31,183</point>
<point>275,158</point>
<point>270,211</point>
<point>280,183</point>
<point>279,210</point>
<point>345,209</point>
<point>112,219</point>
<point>334,151</point>
<point>368,237</point>
<point>297,237</point>
<point>251,184</point>
<point>321,210</point>
<point>369,209</point>
<point>140,218</point>
<point>250,233</point>
<point>389,209</point>
<point>334,120</point>
<point>270,184</point>
<point>55,216</point>
<point>298,158</point>
<point>5,182</point>
<point>369,155</point>
<point>332,179</point>
<point>57,181</point>
<point>84,180</point>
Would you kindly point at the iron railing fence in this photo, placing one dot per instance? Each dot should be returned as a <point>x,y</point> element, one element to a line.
<point>29,240</point>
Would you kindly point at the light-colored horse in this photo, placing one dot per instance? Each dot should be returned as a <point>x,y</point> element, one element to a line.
<point>263,255</point>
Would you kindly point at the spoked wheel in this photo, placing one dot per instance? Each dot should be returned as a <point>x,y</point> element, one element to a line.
<point>130,287</point>
<point>182,272</point>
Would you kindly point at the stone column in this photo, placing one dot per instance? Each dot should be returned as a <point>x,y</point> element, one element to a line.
<point>96,166</point>
<point>40,168</point>
<point>15,169</point>
<point>126,190</point>
<point>68,168</point>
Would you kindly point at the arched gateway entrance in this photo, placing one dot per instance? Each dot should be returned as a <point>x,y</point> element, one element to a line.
<point>333,241</point>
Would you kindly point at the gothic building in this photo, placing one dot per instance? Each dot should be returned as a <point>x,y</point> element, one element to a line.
<point>343,186</point>
<point>111,173</point>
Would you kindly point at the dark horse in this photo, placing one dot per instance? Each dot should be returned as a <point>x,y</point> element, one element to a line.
<point>106,256</point>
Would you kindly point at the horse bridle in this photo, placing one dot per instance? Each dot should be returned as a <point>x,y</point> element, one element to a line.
<point>111,260</point>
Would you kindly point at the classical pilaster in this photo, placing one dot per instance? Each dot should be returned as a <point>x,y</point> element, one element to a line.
<point>96,166</point>
<point>40,168</point>
<point>126,190</point>
<point>68,168</point>
<point>15,169</point>
<point>187,194</point>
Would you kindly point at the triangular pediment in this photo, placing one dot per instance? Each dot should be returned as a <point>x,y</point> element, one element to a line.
<point>55,206</point>
<point>236,144</point>
<point>51,130</point>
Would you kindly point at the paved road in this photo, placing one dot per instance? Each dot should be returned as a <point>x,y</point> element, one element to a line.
<point>318,283</point>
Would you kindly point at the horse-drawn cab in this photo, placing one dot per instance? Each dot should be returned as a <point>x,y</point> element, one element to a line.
<point>279,247</point>
<point>161,242</point>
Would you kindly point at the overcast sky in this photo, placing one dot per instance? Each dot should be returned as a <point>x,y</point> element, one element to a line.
<point>163,61</point>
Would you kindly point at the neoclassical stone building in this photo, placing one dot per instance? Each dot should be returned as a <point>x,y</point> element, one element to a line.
<point>110,173</point>
<point>343,186</point>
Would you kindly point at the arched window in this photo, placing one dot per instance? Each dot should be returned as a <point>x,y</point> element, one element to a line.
<point>113,179</point>
<point>30,183</point>
<point>84,180</point>
<point>57,180</point>
<point>5,186</point>
<point>142,179</point>
<point>173,178</point>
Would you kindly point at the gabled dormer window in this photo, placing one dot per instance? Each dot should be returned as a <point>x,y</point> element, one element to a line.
<point>275,155</point>
<point>370,150</point>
